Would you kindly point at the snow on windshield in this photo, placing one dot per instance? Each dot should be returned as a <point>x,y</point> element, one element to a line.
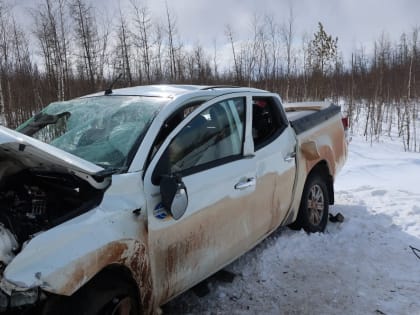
<point>100,129</point>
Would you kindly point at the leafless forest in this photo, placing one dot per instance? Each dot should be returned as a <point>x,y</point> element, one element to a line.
<point>72,49</point>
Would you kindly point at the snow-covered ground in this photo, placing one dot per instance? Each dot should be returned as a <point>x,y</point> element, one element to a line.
<point>362,266</point>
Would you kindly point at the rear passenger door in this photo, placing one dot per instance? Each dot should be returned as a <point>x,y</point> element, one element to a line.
<point>211,152</point>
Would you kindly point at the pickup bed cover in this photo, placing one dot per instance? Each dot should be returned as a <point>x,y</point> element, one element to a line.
<point>303,116</point>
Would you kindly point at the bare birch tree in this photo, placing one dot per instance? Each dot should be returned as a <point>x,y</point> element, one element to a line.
<point>237,65</point>
<point>51,32</point>
<point>171,33</point>
<point>143,26</point>
<point>158,56</point>
<point>123,50</point>
<point>288,36</point>
<point>86,35</point>
<point>4,51</point>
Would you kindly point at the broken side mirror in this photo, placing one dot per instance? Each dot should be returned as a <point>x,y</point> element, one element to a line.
<point>174,195</point>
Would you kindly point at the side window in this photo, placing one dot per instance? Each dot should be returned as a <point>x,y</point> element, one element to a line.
<point>169,125</point>
<point>267,122</point>
<point>211,138</point>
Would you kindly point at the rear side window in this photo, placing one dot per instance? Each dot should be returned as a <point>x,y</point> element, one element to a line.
<point>267,121</point>
<point>213,137</point>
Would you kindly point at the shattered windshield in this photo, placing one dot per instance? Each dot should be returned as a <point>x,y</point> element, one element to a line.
<point>101,129</point>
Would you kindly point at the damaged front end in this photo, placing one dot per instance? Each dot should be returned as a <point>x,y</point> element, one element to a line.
<point>30,203</point>
<point>55,168</point>
<point>38,190</point>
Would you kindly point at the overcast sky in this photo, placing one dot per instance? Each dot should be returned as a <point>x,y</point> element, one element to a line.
<point>356,23</point>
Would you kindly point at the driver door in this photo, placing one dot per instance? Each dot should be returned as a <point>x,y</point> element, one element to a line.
<point>208,152</point>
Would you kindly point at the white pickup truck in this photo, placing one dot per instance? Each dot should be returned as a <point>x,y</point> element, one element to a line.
<point>114,203</point>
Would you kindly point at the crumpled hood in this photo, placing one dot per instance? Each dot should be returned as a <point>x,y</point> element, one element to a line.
<point>33,153</point>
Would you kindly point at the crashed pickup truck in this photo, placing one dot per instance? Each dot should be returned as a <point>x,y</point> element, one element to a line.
<point>116,202</point>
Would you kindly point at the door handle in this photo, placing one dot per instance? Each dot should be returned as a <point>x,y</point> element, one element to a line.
<point>246,183</point>
<point>290,157</point>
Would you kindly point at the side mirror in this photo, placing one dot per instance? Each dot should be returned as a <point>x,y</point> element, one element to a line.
<point>174,195</point>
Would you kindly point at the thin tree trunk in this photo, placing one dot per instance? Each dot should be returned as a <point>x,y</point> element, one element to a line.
<point>2,107</point>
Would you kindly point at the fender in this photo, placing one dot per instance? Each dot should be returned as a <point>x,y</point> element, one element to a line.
<point>76,250</point>
<point>64,258</point>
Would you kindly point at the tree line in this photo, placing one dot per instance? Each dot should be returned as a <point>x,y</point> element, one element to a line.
<point>76,49</point>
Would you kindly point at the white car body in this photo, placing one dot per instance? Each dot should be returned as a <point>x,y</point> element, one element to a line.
<point>129,228</point>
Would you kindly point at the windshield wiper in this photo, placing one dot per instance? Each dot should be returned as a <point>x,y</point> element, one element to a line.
<point>40,121</point>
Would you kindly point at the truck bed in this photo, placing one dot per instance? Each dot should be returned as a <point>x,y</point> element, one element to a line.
<point>305,115</point>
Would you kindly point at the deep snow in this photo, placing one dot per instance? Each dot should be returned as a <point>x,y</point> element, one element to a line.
<point>361,266</point>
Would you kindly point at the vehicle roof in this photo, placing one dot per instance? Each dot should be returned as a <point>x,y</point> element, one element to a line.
<point>174,90</point>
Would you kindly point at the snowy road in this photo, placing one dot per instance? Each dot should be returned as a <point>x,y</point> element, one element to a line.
<point>362,266</point>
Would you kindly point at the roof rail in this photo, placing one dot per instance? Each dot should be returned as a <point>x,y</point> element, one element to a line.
<point>219,87</point>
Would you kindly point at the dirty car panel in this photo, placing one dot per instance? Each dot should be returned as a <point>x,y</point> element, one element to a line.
<point>80,189</point>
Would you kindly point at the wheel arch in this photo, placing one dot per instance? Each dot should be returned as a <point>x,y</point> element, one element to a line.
<point>120,271</point>
<point>319,173</point>
<point>114,274</point>
<point>126,259</point>
<point>322,169</point>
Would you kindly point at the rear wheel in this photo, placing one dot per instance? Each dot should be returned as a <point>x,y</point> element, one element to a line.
<point>105,295</point>
<point>313,209</point>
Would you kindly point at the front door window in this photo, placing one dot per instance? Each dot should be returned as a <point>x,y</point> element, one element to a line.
<point>213,137</point>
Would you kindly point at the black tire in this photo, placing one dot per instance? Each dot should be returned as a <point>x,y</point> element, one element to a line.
<point>104,295</point>
<point>314,206</point>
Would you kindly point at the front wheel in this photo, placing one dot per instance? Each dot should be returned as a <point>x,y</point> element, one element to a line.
<point>313,209</point>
